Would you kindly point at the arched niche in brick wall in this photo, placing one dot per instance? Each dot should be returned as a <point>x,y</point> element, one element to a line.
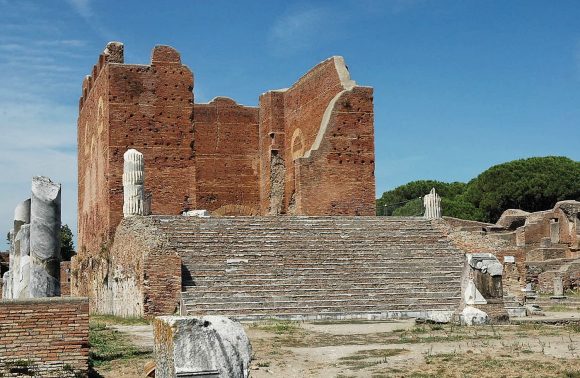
<point>231,210</point>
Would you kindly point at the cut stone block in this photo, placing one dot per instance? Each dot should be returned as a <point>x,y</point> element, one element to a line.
<point>209,346</point>
<point>473,316</point>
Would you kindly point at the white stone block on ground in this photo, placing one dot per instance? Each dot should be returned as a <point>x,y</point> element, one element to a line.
<point>196,213</point>
<point>473,316</point>
<point>210,345</point>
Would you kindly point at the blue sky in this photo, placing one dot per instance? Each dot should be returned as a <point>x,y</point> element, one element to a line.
<point>459,85</point>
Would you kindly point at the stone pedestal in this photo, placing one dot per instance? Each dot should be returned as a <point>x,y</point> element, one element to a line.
<point>558,288</point>
<point>45,238</point>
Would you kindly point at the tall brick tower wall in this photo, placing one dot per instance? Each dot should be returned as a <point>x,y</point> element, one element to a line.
<point>317,145</point>
<point>306,150</point>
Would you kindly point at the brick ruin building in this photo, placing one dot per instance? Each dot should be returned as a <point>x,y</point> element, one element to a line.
<point>536,249</point>
<point>297,174</point>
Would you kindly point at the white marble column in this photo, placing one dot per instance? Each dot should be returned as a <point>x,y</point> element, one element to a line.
<point>432,204</point>
<point>133,183</point>
<point>45,238</point>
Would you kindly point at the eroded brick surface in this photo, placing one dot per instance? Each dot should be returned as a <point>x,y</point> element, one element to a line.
<point>307,150</point>
<point>46,337</point>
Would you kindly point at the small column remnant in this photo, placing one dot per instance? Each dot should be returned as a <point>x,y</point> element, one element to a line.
<point>432,204</point>
<point>558,288</point>
<point>44,238</point>
<point>133,184</point>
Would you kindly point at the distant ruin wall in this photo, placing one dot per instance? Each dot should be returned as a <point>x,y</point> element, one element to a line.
<point>226,154</point>
<point>47,337</point>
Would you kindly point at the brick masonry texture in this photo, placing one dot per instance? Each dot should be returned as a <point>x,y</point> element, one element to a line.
<point>139,275</point>
<point>45,337</point>
<point>307,150</point>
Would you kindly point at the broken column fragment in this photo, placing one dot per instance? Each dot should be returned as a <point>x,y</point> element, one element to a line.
<point>20,242</point>
<point>45,238</point>
<point>21,278</point>
<point>206,346</point>
<point>432,204</point>
<point>133,183</point>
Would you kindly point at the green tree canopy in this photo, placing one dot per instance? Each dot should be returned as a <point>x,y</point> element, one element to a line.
<point>66,243</point>
<point>532,184</point>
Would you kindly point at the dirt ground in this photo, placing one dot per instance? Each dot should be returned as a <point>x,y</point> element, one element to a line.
<point>394,349</point>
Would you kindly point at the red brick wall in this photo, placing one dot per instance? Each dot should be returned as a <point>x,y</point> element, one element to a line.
<point>338,178</point>
<point>272,141</point>
<point>48,337</point>
<point>304,106</point>
<point>161,284</point>
<point>93,192</point>
<point>65,278</point>
<point>216,156</point>
<point>226,155</point>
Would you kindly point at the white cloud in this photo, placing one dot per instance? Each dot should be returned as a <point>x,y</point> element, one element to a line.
<point>304,28</point>
<point>82,7</point>
<point>39,76</point>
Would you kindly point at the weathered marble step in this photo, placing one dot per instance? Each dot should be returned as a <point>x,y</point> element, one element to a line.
<point>410,253</point>
<point>296,289</point>
<point>204,291</point>
<point>305,298</point>
<point>322,302</point>
<point>280,268</point>
<point>343,308</point>
<point>323,276</point>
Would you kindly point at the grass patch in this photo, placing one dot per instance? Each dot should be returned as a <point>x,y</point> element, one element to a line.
<point>367,358</point>
<point>107,344</point>
<point>560,308</point>
<point>278,327</point>
<point>117,320</point>
<point>350,321</point>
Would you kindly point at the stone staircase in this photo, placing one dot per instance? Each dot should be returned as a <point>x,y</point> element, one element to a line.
<point>314,267</point>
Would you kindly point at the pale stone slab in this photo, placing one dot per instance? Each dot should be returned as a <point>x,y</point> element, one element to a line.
<point>201,346</point>
<point>196,213</point>
<point>472,295</point>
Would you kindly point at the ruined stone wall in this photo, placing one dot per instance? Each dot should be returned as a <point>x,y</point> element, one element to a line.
<point>226,156</point>
<point>139,275</point>
<point>94,227</point>
<point>44,337</point>
<point>317,145</point>
<point>151,110</point>
<point>514,274</point>
<point>337,178</point>
<point>304,106</point>
<point>272,150</point>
